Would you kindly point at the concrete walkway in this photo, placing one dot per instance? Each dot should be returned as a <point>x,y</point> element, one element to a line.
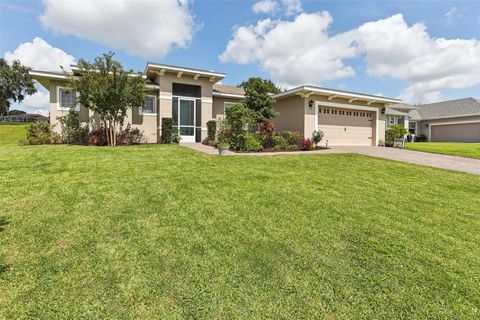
<point>461,164</point>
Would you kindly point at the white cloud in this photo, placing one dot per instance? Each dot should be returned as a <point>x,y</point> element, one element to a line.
<point>38,102</point>
<point>40,55</point>
<point>293,52</point>
<point>301,52</point>
<point>408,53</point>
<point>292,6</point>
<point>452,14</point>
<point>264,6</point>
<point>145,28</point>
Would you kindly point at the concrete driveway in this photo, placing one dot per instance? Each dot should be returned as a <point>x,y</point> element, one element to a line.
<point>427,159</point>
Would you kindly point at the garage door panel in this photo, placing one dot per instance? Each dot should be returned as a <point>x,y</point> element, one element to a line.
<point>342,127</point>
<point>464,132</point>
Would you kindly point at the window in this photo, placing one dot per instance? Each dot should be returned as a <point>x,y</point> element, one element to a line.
<point>67,99</point>
<point>391,121</point>
<point>227,105</point>
<point>150,105</point>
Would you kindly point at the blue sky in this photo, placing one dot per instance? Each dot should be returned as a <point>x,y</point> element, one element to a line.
<point>341,54</point>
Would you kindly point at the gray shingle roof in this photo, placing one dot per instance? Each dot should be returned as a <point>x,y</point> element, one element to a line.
<point>393,112</point>
<point>467,106</point>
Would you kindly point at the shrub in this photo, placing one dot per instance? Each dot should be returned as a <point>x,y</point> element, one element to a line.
<point>167,130</point>
<point>306,143</point>
<point>317,136</point>
<point>40,133</point>
<point>280,143</point>
<point>292,137</point>
<point>292,147</point>
<point>175,138</point>
<point>251,143</point>
<point>235,126</point>
<point>98,137</point>
<point>73,131</point>
<point>211,130</point>
<point>267,127</point>
<point>394,132</point>
<point>421,138</point>
<point>130,136</point>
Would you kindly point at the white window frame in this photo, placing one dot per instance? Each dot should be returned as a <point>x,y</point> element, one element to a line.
<point>225,106</point>
<point>391,121</point>
<point>154,114</point>
<point>59,103</point>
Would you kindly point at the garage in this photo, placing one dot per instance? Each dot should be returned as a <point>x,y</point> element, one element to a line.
<point>345,127</point>
<point>460,132</point>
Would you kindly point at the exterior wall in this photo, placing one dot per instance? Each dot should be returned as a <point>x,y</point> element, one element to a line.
<point>218,105</point>
<point>166,82</point>
<point>422,127</point>
<point>291,114</point>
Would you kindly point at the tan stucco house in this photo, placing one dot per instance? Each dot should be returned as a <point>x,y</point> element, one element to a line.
<point>193,96</point>
<point>447,121</point>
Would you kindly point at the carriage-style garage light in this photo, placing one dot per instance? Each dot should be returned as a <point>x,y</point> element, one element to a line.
<point>383,110</point>
<point>310,104</point>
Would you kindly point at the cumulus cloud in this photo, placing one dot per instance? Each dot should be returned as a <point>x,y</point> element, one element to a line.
<point>40,55</point>
<point>292,6</point>
<point>302,51</point>
<point>145,28</point>
<point>264,6</point>
<point>293,52</point>
<point>38,102</point>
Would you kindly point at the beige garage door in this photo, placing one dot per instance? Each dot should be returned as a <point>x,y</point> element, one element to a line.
<point>465,132</point>
<point>343,127</point>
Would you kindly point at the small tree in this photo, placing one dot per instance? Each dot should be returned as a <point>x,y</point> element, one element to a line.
<point>235,126</point>
<point>394,132</point>
<point>109,91</point>
<point>72,129</point>
<point>258,98</point>
<point>317,136</point>
<point>15,84</point>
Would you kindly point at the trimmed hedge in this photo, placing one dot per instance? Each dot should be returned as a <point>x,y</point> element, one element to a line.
<point>167,129</point>
<point>211,130</point>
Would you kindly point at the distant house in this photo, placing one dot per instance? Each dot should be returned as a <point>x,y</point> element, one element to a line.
<point>27,117</point>
<point>447,121</point>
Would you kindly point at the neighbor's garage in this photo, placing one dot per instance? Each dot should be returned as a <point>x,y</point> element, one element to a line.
<point>344,127</point>
<point>462,132</point>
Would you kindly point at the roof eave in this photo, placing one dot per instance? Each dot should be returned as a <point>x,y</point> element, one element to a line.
<point>208,74</point>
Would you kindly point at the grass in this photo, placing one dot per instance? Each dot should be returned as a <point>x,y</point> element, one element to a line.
<point>469,150</point>
<point>11,133</point>
<point>163,232</point>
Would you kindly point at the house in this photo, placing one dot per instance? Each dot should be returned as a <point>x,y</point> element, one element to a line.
<point>447,121</point>
<point>193,96</point>
<point>26,117</point>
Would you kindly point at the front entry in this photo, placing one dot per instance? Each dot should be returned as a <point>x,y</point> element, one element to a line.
<point>185,113</point>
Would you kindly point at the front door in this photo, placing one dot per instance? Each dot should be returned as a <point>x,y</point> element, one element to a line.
<point>186,117</point>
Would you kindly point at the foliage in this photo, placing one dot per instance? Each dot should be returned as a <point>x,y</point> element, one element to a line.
<point>235,125</point>
<point>40,133</point>
<point>279,142</point>
<point>108,90</point>
<point>292,137</point>
<point>421,138</point>
<point>317,136</point>
<point>167,130</point>
<point>251,142</point>
<point>15,84</point>
<point>73,131</point>
<point>130,136</point>
<point>211,130</point>
<point>267,83</point>
<point>394,132</point>
<point>258,99</point>
<point>267,127</point>
<point>176,136</point>
<point>98,137</point>
<point>16,112</point>
<point>306,143</point>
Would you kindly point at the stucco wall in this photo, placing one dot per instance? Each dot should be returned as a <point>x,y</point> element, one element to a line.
<point>291,114</point>
<point>218,105</point>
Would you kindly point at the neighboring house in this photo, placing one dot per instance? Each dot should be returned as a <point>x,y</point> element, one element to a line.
<point>192,97</point>
<point>26,117</point>
<point>447,121</point>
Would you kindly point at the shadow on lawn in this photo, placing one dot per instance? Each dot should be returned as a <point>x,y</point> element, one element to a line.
<point>3,266</point>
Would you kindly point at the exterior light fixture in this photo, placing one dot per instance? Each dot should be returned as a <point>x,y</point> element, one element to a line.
<point>310,104</point>
<point>383,110</point>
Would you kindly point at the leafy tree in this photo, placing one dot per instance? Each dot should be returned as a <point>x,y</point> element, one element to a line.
<point>109,91</point>
<point>394,132</point>
<point>258,98</point>
<point>15,84</point>
<point>16,112</point>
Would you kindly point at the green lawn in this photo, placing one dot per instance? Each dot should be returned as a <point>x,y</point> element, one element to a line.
<point>11,133</point>
<point>469,150</point>
<point>164,232</point>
